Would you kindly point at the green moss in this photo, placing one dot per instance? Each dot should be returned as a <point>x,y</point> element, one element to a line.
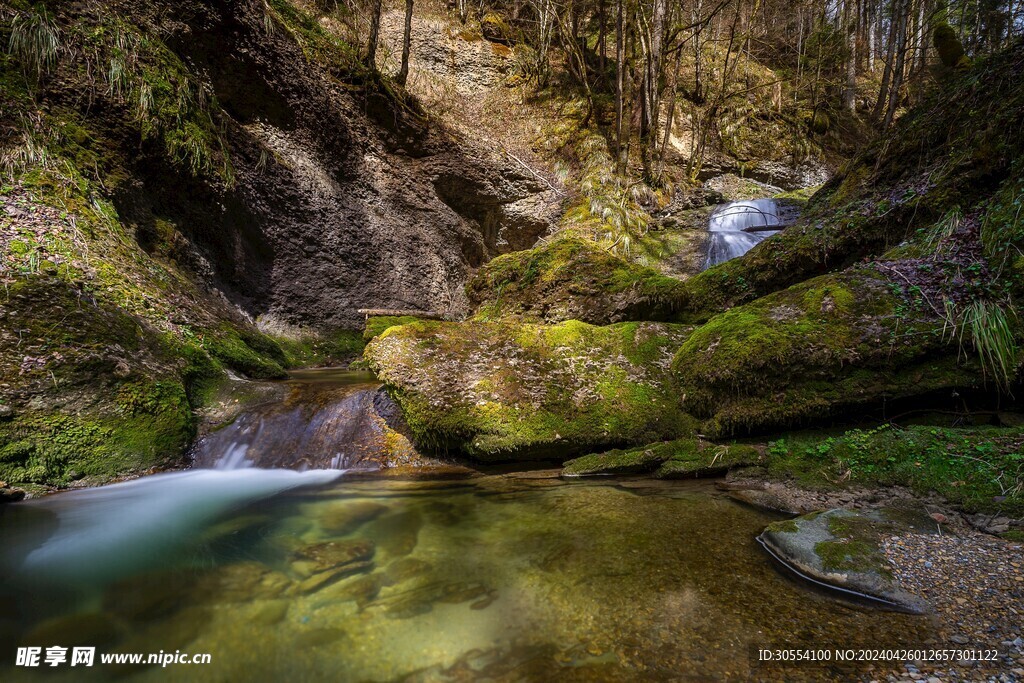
<point>506,390</point>
<point>786,526</point>
<point>376,325</point>
<point>707,459</point>
<point>977,469</point>
<point>570,278</point>
<point>808,351</point>
<point>255,355</point>
<point>632,461</point>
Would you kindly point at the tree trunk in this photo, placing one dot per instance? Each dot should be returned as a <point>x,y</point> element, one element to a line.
<point>371,52</point>
<point>850,92</point>
<point>403,72</point>
<point>620,69</point>
<point>898,69</point>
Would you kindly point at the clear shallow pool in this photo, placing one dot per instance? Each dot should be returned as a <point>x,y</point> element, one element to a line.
<point>492,578</point>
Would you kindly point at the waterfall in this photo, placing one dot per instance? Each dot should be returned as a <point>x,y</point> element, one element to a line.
<point>737,226</point>
<point>314,429</point>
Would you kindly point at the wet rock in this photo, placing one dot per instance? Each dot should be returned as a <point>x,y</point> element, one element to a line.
<point>10,494</point>
<point>344,519</point>
<point>335,554</point>
<point>398,534</point>
<point>404,569</point>
<point>325,578</point>
<point>240,582</point>
<point>270,612</point>
<point>361,589</point>
<point>6,411</point>
<point>844,549</point>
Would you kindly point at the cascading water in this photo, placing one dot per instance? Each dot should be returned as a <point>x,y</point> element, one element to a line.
<point>737,226</point>
<point>321,423</point>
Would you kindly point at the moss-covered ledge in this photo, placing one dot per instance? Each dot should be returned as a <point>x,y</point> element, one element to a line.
<point>571,279</point>
<point>685,458</point>
<point>506,391</point>
<point>853,338</point>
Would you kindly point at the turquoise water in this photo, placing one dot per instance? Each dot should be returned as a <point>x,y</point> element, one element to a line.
<point>314,576</point>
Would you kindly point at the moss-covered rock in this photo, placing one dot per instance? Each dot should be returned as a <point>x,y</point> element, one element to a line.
<point>853,338</point>
<point>684,458</point>
<point>706,460</point>
<point>375,325</point>
<point>844,549</point>
<point>570,279</point>
<point>94,393</point>
<point>503,390</point>
<point>629,461</point>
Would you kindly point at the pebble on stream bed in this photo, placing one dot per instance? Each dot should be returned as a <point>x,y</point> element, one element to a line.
<point>976,585</point>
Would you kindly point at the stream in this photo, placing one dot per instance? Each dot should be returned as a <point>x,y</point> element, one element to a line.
<point>331,575</point>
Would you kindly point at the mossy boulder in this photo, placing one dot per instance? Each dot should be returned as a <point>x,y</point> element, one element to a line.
<point>570,279</point>
<point>950,49</point>
<point>843,549</point>
<point>375,325</point>
<point>684,458</point>
<point>707,460</point>
<point>507,390</point>
<point>849,339</point>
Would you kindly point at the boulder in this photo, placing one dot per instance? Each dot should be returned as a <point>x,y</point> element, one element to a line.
<point>681,458</point>
<point>850,339</point>
<point>843,549</point>
<point>507,391</point>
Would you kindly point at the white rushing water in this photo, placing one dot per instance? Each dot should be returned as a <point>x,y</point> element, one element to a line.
<point>734,228</point>
<point>95,536</point>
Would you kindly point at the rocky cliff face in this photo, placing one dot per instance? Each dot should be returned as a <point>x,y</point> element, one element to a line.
<point>344,199</point>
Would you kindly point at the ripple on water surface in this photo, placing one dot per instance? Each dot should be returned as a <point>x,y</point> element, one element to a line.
<point>496,577</point>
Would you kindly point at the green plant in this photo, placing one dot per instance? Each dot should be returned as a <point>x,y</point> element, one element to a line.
<point>35,42</point>
<point>990,332</point>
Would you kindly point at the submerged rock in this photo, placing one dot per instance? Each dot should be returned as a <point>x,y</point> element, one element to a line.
<point>504,391</point>
<point>344,518</point>
<point>843,549</point>
<point>333,554</point>
<point>405,569</point>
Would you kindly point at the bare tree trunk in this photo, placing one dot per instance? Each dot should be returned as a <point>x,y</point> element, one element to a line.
<point>403,72</point>
<point>371,52</point>
<point>850,92</point>
<point>620,69</point>
<point>898,69</point>
<point>890,60</point>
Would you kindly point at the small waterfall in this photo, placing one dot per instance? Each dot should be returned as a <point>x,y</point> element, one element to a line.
<point>314,428</point>
<point>737,226</point>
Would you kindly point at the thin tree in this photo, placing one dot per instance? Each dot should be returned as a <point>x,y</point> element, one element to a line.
<point>403,72</point>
